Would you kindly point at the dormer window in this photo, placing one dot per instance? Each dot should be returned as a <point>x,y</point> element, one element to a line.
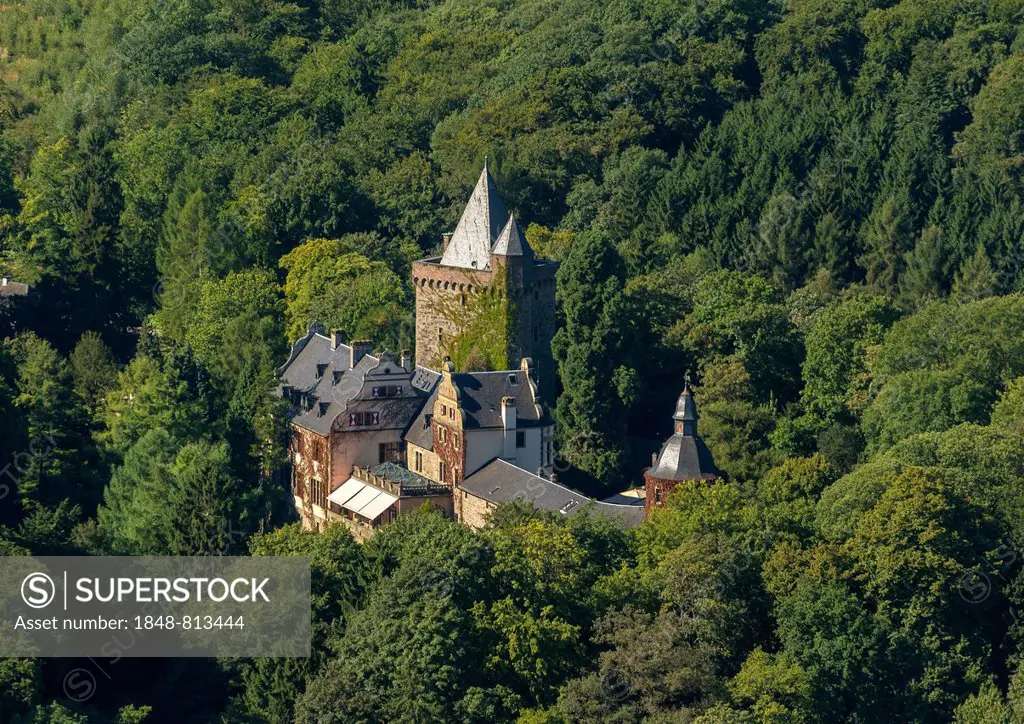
<point>513,380</point>
<point>362,419</point>
<point>322,409</point>
<point>320,369</point>
<point>337,376</point>
<point>387,391</point>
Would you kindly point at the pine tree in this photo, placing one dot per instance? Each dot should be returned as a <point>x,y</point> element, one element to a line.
<point>976,278</point>
<point>590,413</point>
<point>924,277</point>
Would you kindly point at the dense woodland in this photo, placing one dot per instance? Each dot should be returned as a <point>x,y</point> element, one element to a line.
<point>817,206</point>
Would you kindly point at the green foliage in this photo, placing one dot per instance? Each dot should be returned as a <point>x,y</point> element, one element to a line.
<point>943,366</point>
<point>587,351</point>
<point>328,281</point>
<point>722,181</point>
<point>837,346</point>
<point>167,499</point>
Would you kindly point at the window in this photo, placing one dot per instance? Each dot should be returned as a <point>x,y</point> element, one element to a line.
<point>513,380</point>
<point>444,410</point>
<point>361,419</point>
<point>323,409</point>
<point>440,337</point>
<point>419,462</point>
<point>387,391</point>
<point>320,369</point>
<point>389,452</point>
<point>455,441</point>
<point>337,376</point>
<point>657,495</point>
<point>520,439</point>
<point>442,469</point>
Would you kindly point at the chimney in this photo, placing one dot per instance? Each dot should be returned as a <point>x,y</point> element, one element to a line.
<point>654,459</point>
<point>508,413</point>
<point>508,422</point>
<point>359,349</point>
<point>445,240</point>
<point>338,336</point>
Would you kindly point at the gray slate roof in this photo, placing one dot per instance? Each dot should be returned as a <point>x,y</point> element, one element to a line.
<point>481,401</point>
<point>511,242</point>
<point>482,220</point>
<point>482,393</point>
<point>684,456</point>
<point>501,482</point>
<point>686,408</point>
<point>9,288</point>
<point>324,375</point>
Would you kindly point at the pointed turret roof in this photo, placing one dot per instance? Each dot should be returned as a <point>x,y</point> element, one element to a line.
<point>684,456</point>
<point>686,409</point>
<point>511,241</point>
<point>482,221</point>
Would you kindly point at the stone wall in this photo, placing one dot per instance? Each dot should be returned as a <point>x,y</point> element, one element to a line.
<point>471,510</point>
<point>311,474</point>
<point>439,291</point>
<point>450,451</point>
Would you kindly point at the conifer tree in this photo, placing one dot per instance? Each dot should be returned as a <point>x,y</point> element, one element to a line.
<point>976,278</point>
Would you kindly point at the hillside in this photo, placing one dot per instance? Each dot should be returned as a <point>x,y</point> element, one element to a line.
<point>816,207</point>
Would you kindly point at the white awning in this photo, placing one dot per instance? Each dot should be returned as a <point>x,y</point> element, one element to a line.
<point>345,493</point>
<point>361,498</point>
<point>377,506</point>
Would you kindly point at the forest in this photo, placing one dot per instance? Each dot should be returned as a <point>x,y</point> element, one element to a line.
<point>815,206</point>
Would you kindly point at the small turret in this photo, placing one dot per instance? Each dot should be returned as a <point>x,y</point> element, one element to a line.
<point>686,412</point>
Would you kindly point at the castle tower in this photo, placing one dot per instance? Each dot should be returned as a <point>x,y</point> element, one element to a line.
<point>487,302</point>
<point>684,458</point>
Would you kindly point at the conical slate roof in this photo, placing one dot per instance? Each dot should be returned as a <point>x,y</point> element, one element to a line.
<point>511,242</point>
<point>482,221</point>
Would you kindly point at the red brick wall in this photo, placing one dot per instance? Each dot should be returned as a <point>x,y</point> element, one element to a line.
<point>653,486</point>
<point>311,486</point>
<point>454,460</point>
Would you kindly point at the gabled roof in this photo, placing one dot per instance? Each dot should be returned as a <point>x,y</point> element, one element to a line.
<point>482,221</point>
<point>511,242</point>
<point>480,395</point>
<point>500,482</point>
<point>324,377</point>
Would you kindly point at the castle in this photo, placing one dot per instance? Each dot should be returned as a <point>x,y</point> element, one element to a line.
<point>487,299</point>
<point>465,427</point>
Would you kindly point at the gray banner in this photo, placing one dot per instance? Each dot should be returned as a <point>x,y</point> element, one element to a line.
<point>114,607</point>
